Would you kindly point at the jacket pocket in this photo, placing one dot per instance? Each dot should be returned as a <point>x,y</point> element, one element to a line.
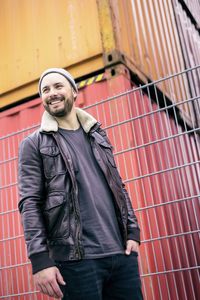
<point>52,161</point>
<point>56,215</point>
<point>107,148</point>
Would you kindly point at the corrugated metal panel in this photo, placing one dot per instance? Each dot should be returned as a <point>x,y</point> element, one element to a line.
<point>160,163</point>
<point>39,34</point>
<point>151,41</point>
<point>87,36</point>
<point>194,8</point>
<point>190,42</point>
<point>152,44</point>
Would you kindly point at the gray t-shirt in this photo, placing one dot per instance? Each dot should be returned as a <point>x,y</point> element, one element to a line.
<point>100,229</point>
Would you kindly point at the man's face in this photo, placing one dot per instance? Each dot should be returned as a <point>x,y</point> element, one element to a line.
<point>57,95</point>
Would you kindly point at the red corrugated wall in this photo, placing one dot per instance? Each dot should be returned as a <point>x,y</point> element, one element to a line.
<point>159,162</point>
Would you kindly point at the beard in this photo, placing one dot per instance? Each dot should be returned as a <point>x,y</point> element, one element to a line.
<point>62,111</point>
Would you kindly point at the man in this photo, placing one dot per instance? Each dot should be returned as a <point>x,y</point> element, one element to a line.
<point>80,229</point>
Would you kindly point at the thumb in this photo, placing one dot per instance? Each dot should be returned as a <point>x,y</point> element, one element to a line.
<point>128,248</point>
<point>60,278</point>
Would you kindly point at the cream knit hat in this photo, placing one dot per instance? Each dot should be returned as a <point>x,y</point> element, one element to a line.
<point>63,72</point>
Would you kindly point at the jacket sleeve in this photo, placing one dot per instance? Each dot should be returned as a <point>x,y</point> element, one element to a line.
<point>31,194</point>
<point>133,229</point>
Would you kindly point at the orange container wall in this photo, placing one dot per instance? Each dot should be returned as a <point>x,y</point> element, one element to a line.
<point>86,36</point>
<point>159,163</point>
<point>39,34</point>
<point>190,41</point>
<point>148,35</point>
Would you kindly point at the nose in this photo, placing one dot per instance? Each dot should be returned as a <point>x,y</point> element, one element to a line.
<point>53,92</point>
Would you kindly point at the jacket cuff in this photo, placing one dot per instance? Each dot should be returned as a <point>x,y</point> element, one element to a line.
<point>41,261</point>
<point>135,235</point>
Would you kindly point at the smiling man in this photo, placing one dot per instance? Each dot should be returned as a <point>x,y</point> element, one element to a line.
<point>80,229</point>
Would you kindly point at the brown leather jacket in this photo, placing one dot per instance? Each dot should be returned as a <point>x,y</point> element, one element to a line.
<point>49,194</point>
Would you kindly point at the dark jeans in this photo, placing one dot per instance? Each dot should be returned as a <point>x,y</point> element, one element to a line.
<point>109,278</point>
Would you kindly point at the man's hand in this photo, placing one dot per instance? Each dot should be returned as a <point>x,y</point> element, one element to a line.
<point>48,280</point>
<point>131,246</point>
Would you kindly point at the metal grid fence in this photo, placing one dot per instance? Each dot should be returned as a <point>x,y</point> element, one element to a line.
<point>158,155</point>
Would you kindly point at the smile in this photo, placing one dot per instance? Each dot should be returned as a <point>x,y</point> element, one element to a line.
<point>56,101</point>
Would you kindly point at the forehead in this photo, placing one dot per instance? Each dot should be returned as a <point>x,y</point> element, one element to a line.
<point>53,78</point>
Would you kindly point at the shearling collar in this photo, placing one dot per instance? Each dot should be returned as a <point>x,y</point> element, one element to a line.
<point>50,124</point>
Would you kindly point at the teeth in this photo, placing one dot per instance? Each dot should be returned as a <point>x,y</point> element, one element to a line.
<point>54,101</point>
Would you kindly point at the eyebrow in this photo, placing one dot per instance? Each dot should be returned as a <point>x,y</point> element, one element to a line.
<point>46,86</point>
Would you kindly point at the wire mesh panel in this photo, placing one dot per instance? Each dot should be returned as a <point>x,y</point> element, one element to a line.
<point>158,156</point>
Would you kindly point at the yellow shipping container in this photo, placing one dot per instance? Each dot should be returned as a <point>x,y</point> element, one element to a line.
<point>87,36</point>
<point>39,34</point>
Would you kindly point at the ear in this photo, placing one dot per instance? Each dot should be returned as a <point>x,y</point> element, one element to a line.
<point>74,94</point>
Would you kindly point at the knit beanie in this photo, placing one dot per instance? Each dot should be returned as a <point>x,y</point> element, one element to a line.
<point>63,72</point>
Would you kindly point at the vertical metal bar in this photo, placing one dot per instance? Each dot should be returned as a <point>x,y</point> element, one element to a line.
<point>128,138</point>
<point>178,208</point>
<point>122,114</point>
<point>9,151</point>
<point>112,130</point>
<point>148,217</point>
<point>138,200</point>
<point>186,178</point>
<point>6,289</point>
<point>1,225</point>
<point>16,220</point>
<point>158,185</point>
<point>175,196</point>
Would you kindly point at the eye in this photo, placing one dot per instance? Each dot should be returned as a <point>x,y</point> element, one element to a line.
<point>59,86</point>
<point>45,90</point>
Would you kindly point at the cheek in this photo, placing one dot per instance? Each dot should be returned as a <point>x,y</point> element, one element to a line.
<point>44,100</point>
